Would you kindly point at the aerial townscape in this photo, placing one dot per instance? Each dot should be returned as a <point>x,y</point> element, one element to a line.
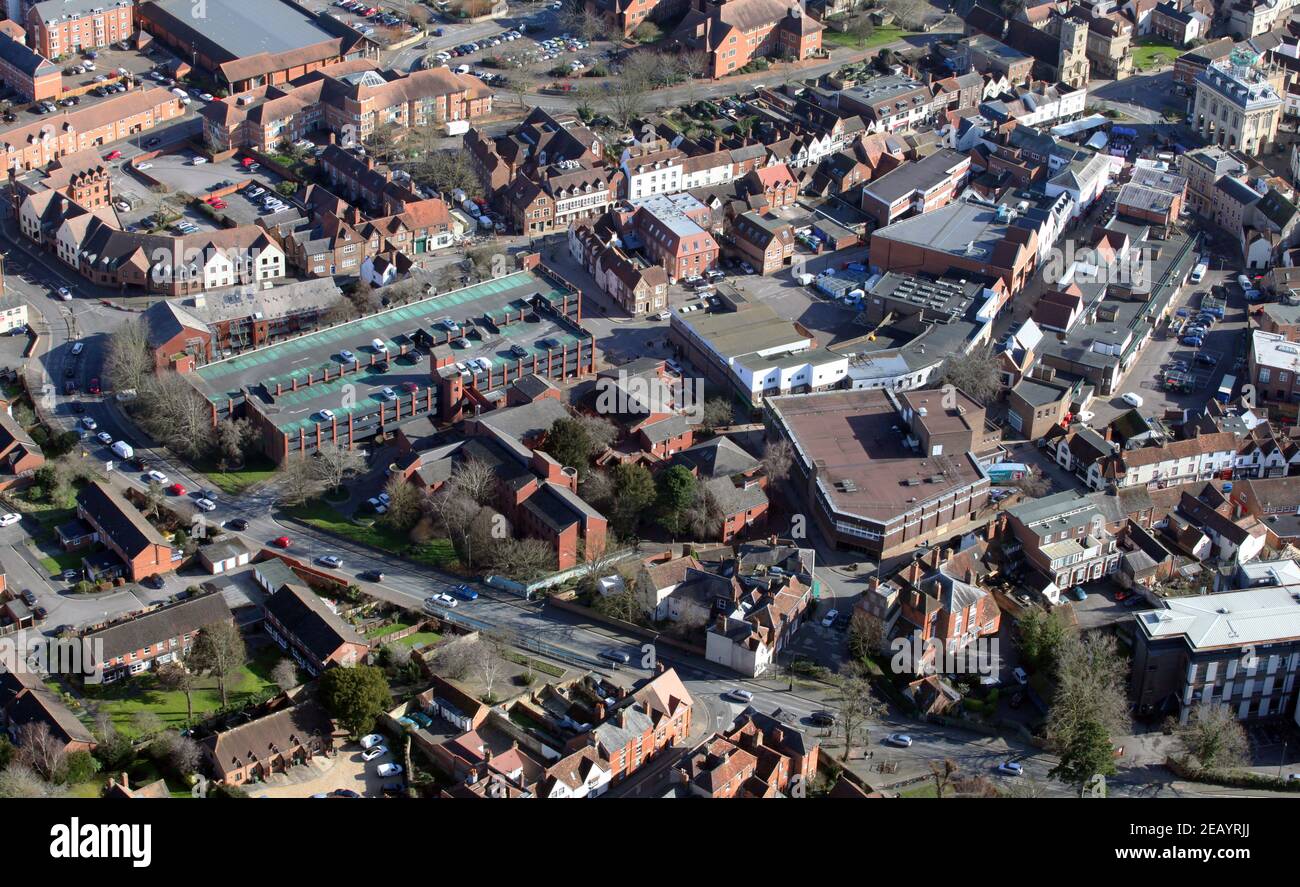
<point>649,399</point>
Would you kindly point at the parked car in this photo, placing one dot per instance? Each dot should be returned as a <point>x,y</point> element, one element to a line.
<point>370,740</point>
<point>377,751</point>
<point>465,593</point>
<point>829,618</point>
<point>1011,768</point>
<point>1132,399</point>
<point>9,519</point>
<point>1020,676</point>
<point>88,423</point>
<point>105,438</point>
<point>389,770</point>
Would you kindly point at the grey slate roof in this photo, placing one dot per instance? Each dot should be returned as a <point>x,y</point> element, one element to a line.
<point>169,622</point>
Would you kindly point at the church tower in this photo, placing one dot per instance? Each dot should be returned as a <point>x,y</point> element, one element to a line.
<point>1073,55</point>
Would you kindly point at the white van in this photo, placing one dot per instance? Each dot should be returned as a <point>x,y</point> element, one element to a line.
<point>378,345</point>
<point>1198,273</point>
<point>1243,281</point>
<point>123,449</point>
<point>77,348</point>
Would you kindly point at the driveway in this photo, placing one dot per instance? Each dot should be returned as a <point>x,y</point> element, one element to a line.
<point>345,770</point>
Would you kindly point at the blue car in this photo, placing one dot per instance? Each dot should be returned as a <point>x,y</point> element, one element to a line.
<point>1079,594</point>
<point>465,593</point>
<point>1193,341</point>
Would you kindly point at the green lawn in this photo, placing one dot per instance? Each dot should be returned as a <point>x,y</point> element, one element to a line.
<point>1151,52</point>
<point>420,639</point>
<point>880,37</point>
<point>121,700</point>
<point>235,482</point>
<point>384,631</point>
<point>59,561</point>
<point>920,790</point>
<point>318,514</point>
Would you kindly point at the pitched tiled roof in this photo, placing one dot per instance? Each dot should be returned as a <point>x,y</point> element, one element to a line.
<point>169,622</point>
<point>310,620</point>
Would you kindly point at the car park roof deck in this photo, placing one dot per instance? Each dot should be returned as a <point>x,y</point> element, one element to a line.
<point>284,361</point>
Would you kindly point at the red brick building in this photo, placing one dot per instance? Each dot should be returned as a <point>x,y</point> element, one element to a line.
<point>123,530</point>
<point>58,28</point>
<point>27,72</point>
<point>317,638</point>
<point>35,144</point>
<point>162,636</point>
<point>757,758</point>
<point>732,33</point>
<point>20,456</point>
<point>640,725</point>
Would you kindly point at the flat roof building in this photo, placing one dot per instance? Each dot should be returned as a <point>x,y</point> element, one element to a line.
<point>884,475</point>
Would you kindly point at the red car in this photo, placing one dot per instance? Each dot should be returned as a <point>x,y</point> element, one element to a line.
<point>282,542</point>
<point>93,388</point>
<point>219,204</point>
<point>113,155</point>
<point>177,490</point>
<point>247,162</point>
<point>410,386</point>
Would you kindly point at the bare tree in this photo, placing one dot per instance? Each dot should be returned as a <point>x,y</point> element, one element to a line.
<point>172,411</point>
<point>285,674</point>
<point>181,753</point>
<point>487,665</point>
<point>174,676</point>
<point>626,97</point>
<point>475,479</point>
<point>453,659</point>
<point>857,703</point>
<point>298,481</point>
<point>335,465</point>
<point>944,773</point>
<point>976,373</point>
<point>41,750</point>
<point>523,560</point>
<point>20,781</point>
<point>778,456</point>
<point>600,430</point>
<point>586,25</point>
<point>128,360</point>
<point>219,651</point>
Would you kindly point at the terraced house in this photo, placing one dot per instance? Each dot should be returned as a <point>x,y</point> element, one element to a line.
<point>32,145</point>
<point>162,636</point>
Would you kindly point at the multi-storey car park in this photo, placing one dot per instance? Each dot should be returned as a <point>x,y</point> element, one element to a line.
<point>441,356</point>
